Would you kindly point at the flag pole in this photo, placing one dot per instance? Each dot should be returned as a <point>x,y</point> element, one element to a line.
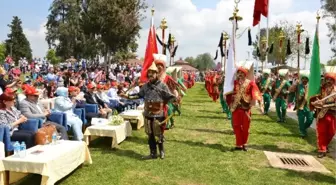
<point>299,30</point>
<point>267,34</point>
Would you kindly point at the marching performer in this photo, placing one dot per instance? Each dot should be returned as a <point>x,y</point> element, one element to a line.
<point>305,116</point>
<point>244,95</point>
<point>266,89</point>
<point>324,106</point>
<point>156,95</point>
<point>280,88</point>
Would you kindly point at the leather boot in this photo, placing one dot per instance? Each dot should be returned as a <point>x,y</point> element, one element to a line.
<point>161,150</point>
<point>152,155</point>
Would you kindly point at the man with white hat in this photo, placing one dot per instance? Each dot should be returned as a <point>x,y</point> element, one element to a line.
<point>266,89</point>
<point>156,96</point>
<point>244,95</point>
<point>280,94</point>
<point>160,61</point>
<point>325,107</point>
<point>305,116</point>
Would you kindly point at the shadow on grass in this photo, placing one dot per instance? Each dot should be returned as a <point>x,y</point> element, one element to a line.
<point>276,134</point>
<point>213,112</point>
<point>292,126</point>
<point>203,145</point>
<point>227,132</point>
<point>274,148</point>
<point>210,117</point>
<point>312,177</point>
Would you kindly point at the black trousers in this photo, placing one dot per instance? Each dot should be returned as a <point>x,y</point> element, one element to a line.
<point>152,142</point>
<point>24,135</point>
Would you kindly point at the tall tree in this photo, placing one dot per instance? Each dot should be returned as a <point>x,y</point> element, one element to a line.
<point>2,52</point>
<point>276,56</point>
<point>332,62</point>
<point>17,44</point>
<point>116,22</point>
<point>330,11</point>
<point>65,30</point>
<point>203,62</point>
<point>190,60</point>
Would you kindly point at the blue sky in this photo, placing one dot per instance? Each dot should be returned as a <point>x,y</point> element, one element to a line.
<point>33,14</point>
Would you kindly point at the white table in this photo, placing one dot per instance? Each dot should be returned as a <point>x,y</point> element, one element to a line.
<point>53,163</point>
<point>118,133</point>
<point>136,115</point>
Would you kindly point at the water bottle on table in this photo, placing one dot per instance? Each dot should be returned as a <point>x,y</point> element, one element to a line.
<point>54,138</point>
<point>16,149</point>
<point>23,151</point>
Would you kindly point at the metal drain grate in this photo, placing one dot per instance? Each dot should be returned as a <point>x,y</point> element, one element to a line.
<point>293,161</point>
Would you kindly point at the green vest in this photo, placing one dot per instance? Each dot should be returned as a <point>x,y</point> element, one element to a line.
<point>284,90</point>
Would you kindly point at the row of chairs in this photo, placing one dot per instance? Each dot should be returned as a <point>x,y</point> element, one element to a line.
<point>35,124</point>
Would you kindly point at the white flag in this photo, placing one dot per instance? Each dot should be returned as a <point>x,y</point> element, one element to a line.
<point>230,64</point>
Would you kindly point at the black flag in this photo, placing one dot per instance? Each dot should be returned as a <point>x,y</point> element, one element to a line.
<point>307,50</point>
<point>289,51</point>
<point>270,51</point>
<point>216,55</point>
<point>249,37</point>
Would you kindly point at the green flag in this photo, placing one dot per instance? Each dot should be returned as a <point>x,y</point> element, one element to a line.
<point>314,86</point>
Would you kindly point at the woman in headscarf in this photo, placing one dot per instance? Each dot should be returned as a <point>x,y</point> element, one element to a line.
<point>11,117</point>
<point>65,105</point>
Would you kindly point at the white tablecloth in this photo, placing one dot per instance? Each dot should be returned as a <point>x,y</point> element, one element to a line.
<point>134,115</point>
<point>53,163</point>
<point>118,133</point>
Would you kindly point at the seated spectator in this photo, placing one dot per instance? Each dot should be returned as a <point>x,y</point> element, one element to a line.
<point>65,105</point>
<point>12,118</point>
<point>92,98</point>
<point>30,108</point>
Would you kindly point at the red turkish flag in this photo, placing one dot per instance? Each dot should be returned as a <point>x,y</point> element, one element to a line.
<point>150,50</point>
<point>260,8</point>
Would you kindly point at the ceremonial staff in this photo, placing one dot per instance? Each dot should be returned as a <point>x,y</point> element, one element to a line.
<point>299,30</point>
<point>163,27</point>
<point>171,49</point>
<point>263,49</point>
<point>223,59</point>
<point>237,18</point>
<point>281,38</point>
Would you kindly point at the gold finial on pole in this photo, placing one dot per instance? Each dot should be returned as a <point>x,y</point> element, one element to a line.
<point>153,10</point>
<point>318,16</point>
<point>235,12</point>
<point>172,39</point>
<point>163,24</point>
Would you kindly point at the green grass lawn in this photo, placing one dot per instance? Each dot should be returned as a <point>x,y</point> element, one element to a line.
<point>198,152</point>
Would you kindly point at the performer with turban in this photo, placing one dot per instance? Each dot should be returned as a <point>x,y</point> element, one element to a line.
<point>266,89</point>
<point>280,94</point>
<point>156,95</point>
<point>324,106</point>
<point>244,96</point>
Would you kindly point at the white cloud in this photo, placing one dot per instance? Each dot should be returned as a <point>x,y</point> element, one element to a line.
<point>197,30</point>
<point>37,40</point>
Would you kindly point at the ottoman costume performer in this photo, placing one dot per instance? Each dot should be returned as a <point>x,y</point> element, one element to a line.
<point>280,93</point>
<point>305,116</point>
<point>244,95</point>
<point>266,88</point>
<point>160,62</point>
<point>325,107</point>
<point>156,96</point>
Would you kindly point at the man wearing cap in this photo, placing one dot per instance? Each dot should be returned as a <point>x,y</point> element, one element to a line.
<point>244,95</point>
<point>280,88</point>
<point>266,88</point>
<point>156,95</point>
<point>324,105</point>
<point>30,108</point>
<point>305,116</point>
